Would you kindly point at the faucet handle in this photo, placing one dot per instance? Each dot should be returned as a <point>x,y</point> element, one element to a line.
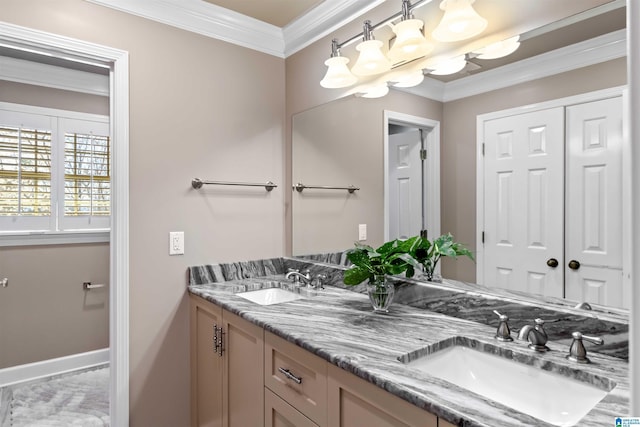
<point>503,333</point>
<point>577,351</point>
<point>319,281</point>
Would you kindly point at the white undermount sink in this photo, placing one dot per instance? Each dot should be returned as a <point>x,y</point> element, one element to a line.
<point>270,296</point>
<point>550,397</point>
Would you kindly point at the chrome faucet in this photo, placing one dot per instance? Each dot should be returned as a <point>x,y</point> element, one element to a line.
<point>536,335</point>
<point>304,277</point>
<point>577,352</point>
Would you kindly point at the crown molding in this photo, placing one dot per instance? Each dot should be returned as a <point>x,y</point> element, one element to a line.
<point>322,20</point>
<point>590,52</point>
<point>33,73</point>
<point>206,19</point>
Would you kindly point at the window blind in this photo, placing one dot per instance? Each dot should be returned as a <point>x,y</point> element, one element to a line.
<point>25,171</point>
<point>87,175</point>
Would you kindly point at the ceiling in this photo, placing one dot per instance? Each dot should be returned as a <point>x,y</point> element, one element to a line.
<point>274,12</point>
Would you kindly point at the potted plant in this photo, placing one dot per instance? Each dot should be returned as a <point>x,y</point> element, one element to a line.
<point>392,258</point>
<point>429,253</point>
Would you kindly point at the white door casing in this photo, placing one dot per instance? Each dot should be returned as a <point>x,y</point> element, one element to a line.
<point>118,61</point>
<point>594,202</point>
<point>523,208</point>
<point>405,184</point>
<point>431,175</point>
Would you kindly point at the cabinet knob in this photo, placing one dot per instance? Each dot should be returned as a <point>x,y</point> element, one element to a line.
<point>574,265</point>
<point>552,262</point>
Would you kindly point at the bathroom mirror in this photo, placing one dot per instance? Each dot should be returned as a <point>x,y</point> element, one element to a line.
<point>342,143</point>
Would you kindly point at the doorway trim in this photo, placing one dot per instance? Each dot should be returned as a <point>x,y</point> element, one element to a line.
<point>118,62</point>
<point>431,179</point>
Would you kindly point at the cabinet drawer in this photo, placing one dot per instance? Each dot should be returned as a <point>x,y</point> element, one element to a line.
<point>297,376</point>
<point>278,413</point>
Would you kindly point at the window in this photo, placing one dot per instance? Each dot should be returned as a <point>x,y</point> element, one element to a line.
<point>55,171</point>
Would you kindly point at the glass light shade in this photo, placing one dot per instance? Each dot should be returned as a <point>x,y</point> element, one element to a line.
<point>499,49</point>
<point>410,42</point>
<point>376,91</point>
<point>338,74</point>
<point>460,21</point>
<point>371,60</point>
<point>411,79</point>
<point>450,66</point>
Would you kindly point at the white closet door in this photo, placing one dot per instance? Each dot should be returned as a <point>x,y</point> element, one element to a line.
<point>523,210</point>
<point>405,185</point>
<point>594,202</point>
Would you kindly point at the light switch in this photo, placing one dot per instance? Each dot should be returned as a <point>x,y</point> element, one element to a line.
<point>362,232</point>
<point>176,243</point>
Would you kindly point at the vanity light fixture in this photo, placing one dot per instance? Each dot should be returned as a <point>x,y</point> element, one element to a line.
<point>371,60</point>
<point>499,49</point>
<point>410,79</point>
<point>338,74</point>
<point>449,66</point>
<point>410,43</point>
<point>460,21</point>
<point>406,64</point>
<point>376,91</point>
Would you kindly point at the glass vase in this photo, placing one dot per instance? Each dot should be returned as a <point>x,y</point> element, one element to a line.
<point>381,293</point>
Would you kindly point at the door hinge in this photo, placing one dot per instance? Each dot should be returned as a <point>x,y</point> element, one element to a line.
<point>423,154</point>
<point>483,237</point>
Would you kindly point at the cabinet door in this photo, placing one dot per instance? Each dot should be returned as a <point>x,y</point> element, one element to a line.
<point>297,376</point>
<point>278,413</point>
<point>354,402</point>
<point>206,365</point>
<point>243,380</point>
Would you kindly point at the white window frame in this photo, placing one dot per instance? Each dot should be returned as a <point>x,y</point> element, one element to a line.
<point>48,232</point>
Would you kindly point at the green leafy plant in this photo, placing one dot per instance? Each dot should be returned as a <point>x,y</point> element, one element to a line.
<point>429,253</point>
<point>392,258</point>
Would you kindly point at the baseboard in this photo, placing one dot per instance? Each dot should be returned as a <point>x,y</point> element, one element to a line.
<point>60,365</point>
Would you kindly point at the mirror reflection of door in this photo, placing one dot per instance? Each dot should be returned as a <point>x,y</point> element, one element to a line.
<point>411,176</point>
<point>553,210</point>
<point>405,182</point>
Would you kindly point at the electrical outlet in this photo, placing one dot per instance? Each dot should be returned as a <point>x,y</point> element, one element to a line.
<point>362,232</point>
<point>176,243</point>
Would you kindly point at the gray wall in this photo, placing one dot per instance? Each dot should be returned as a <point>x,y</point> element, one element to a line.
<point>198,108</point>
<point>44,312</point>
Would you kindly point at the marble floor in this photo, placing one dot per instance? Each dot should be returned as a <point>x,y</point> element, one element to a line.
<point>79,398</point>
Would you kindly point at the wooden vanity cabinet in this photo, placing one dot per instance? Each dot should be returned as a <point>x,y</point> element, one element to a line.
<point>354,402</point>
<point>227,370</point>
<point>241,384</point>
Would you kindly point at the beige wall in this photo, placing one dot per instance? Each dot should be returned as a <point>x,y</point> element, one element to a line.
<point>198,108</point>
<point>458,156</point>
<point>44,312</point>
<point>337,144</point>
<point>19,93</point>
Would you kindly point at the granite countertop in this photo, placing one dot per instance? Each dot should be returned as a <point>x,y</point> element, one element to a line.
<point>338,325</point>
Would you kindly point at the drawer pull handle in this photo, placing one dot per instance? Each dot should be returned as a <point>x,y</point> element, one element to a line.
<point>289,375</point>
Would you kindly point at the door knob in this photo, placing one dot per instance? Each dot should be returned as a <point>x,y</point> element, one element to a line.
<point>574,265</point>
<point>552,262</point>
